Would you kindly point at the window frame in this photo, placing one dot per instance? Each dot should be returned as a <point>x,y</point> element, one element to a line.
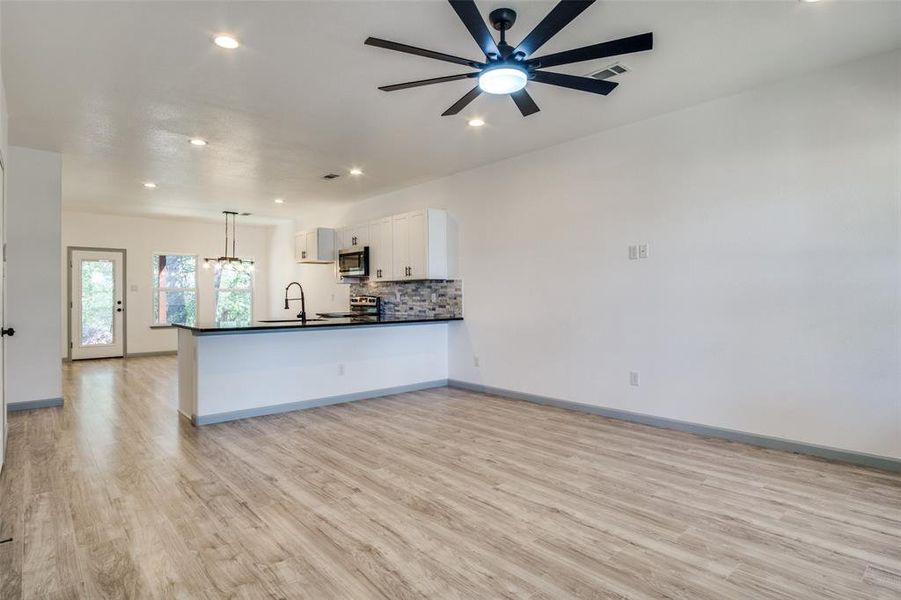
<point>155,288</point>
<point>250,290</point>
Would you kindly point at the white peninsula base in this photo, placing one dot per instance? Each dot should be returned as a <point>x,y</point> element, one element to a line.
<point>235,375</point>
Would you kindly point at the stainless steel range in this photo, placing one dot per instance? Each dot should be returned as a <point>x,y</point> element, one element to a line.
<point>361,307</point>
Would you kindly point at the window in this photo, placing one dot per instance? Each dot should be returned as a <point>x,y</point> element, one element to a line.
<point>174,289</point>
<point>234,296</point>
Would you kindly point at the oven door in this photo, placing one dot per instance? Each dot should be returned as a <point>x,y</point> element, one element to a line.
<point>354,262</point>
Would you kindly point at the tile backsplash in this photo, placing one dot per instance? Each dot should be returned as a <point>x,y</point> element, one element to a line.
<point>426,298</point>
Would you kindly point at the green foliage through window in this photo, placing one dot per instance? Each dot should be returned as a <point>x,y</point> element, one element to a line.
<point>174,289</point>
<point>234,297</point>
<point>97,302</point>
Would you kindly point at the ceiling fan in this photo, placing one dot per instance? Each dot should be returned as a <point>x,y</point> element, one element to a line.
<point>507,70</point>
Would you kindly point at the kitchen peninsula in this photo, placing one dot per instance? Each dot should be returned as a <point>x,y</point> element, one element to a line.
<point>234,372</point>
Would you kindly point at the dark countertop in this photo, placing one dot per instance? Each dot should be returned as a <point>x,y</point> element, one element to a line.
<point>290,324</point>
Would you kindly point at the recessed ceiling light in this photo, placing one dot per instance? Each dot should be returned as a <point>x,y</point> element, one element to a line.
<point>198,142</point>
<point>226,41</point>
<point>149,185</point>
<point>279,201</point>
<point>476,122</point>
<point>356,171</point>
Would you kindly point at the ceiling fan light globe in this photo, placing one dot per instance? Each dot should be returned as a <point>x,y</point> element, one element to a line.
<point>502,80</point>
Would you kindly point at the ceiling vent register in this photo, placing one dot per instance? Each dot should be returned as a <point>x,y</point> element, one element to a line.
<point>610,71</point>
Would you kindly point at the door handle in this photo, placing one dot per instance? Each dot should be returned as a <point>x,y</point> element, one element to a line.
<point>8,331</point>
<point>118,310</point>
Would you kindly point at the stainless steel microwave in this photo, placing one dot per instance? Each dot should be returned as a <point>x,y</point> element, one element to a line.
<point>353,262</point>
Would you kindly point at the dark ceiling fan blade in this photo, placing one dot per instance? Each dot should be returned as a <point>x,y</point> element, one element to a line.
<point>460,104</point>
<point>559,17</point>
<point>585,84</point>
<point>524,102</point>
<point>412,84</point>
<point>469,14</point>
<point>628,45</point>
<point>380,43</point>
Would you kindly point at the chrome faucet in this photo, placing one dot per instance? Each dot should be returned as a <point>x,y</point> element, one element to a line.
<point>302,315</point>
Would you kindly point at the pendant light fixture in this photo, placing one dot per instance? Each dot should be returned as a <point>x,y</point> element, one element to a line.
<point>231,260</point>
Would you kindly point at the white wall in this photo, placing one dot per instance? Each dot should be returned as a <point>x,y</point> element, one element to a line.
<point>772,297</point>
<point>141,238</point>
<point>33,292</point>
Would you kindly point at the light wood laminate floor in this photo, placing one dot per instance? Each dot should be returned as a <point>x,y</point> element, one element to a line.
<point>435,494</point>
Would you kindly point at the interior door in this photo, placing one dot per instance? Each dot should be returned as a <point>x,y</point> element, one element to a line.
<point>97,308</point>
<point>2,321</point>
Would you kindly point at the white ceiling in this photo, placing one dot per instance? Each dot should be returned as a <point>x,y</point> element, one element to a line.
<point>119,87</point>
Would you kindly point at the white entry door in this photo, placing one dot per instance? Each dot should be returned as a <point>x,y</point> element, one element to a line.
<point>97,309</point>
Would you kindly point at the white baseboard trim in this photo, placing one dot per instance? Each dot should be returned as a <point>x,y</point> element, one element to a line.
<point>774,443</point>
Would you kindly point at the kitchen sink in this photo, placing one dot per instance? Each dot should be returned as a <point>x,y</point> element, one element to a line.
<point>287,320</point>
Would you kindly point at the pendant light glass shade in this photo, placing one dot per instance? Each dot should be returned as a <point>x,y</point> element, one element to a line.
<point>231,261</point>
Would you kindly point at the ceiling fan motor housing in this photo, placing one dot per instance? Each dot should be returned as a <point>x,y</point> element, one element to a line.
<point>502,19</point>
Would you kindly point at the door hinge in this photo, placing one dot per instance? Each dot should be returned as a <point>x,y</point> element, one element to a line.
<point>71,345</point>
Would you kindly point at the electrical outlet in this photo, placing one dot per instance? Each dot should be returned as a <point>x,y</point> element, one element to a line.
<point>633,252</point>
<point>340,369</point>
<point>643,251</point>
<point>634,378</point>
<point>475,361</point>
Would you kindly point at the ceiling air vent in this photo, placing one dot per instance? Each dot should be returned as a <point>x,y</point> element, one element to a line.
<point>610,71</point>
<point>331,176</point>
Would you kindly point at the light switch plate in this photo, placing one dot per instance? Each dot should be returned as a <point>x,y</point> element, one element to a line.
<point>633,252</point>
<point>133,287</point>
<point>643,251</point>
<point>634,378</point>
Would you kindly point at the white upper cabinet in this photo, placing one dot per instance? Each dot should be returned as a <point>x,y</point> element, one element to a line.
<point>356,235</point>
<point>419,243</point>
<point>380,250</point>
<point>315,246</point>
<point>400,244</point>
<point>408,246</point>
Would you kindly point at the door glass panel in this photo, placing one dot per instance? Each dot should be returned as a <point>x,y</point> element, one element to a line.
<point>97,302</point>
